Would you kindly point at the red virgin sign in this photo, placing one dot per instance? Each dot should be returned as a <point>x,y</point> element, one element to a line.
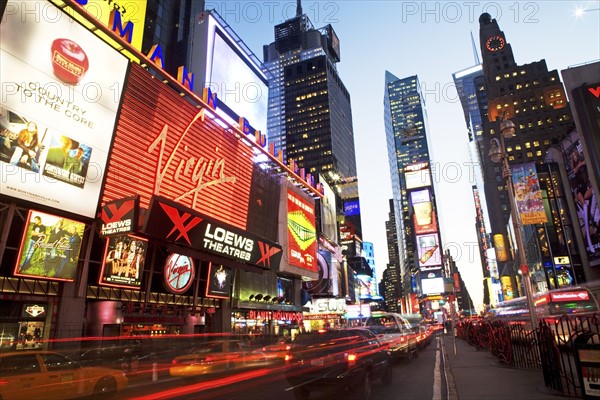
<point>179,273</point>
<point>166,146</point>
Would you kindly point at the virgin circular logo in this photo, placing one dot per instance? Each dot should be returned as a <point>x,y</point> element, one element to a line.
<point>179,273</point>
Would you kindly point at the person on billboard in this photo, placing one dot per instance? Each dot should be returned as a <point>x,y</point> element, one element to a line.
<point>38,236</point>
<point>57,156</point>
<point>137,262</point>
<point>116,257</point>
<point>55,239</point>
<point>25,152</point>
<point>74,164</point>
<point>71,253</point>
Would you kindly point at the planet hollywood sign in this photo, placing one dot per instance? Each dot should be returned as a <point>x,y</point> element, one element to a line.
<point>275,315</point>
<point>123,33</point>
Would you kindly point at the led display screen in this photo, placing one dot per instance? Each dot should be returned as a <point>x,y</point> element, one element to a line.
<point>424,216</point>
<point>50,247</point>
<point>432,285</point>
<point>351,207</point>
<point>61,88</point>
<point>428,250</point>
<point>417,179</point>
<point>191,161</point>
<point>302,233</point>
<point>124,260</point>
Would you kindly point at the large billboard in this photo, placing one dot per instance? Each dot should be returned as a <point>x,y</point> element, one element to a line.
<point>528,196</point>
<point>328,212</point>
<point>301,232</point>
<point>585,199</point>
<point>170,221</point>
<point>220,63</point>
<point>61,88</point>
<point>50,247</point>
<point>417,176</point>
<point>428,250</point>
<point>190,159</point>
<point>424,216</point>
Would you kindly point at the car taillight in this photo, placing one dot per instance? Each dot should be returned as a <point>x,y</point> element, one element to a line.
<point>174,362</point>
<point>209,359</point>
<point>351,358</point>
<point>288,357</point>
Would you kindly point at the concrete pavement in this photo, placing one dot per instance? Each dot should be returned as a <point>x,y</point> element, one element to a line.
<point>477,375</point>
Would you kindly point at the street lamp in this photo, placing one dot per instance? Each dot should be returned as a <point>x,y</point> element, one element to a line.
<point>497,154</point>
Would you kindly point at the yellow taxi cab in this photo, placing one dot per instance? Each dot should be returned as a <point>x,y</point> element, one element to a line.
<point>51,375</point>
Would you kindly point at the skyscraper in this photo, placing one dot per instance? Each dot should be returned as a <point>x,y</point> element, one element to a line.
<point>533,98</point>
<point>391,285</point>
<point>413,195</point>
<point>309,116</point>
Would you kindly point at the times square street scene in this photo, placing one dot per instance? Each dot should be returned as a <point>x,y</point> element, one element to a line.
<point>196,203</point>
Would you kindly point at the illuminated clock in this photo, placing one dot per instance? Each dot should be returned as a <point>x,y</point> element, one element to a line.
<point>494,43</point>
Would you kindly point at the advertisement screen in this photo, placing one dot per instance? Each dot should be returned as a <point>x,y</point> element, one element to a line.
<point>328,214</point>
<point>50,247</point>
<point>190,159</point>
<point>124,259</point>
<point>302,233</point>
<point>219,281</point>
<point>61,89</point>
<point>428,249</point>
<point>351,207</point>
<point>432,285</point>
<point>417,179</point>
<point>528,196</point>
<point>585,199</point>
<point>424,216</point>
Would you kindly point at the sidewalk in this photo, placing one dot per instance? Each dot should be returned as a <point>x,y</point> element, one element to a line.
<point>477,375</point>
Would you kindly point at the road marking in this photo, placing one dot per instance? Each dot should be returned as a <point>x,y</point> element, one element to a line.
<point>437,377</point>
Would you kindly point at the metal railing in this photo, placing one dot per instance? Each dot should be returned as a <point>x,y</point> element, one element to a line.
<point>549,348</point>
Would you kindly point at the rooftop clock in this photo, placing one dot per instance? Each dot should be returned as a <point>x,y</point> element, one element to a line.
<point>494,43</point>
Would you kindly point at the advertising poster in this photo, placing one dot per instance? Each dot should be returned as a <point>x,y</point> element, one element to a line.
<point>219,281</point>
<point>61,89</point>
<point>179,273</point>
<point>50,247</point>
<point>428,249</point>
<point>328,213</point>
<point>124,260</point>
<point>417,179</point>
<point>302,232</point>
<point>528,195</point>
<point>586,200</point>
<point>424,216</point>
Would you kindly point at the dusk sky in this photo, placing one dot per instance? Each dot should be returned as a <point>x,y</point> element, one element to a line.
<point>432,40</point>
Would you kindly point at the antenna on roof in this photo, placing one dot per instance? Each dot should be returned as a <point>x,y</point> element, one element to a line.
<point>475,52</point>
<point>298,8</point>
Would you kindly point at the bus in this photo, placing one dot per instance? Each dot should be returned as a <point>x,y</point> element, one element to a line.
<point>566,311</point>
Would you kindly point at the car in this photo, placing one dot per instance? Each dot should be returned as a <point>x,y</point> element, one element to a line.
<point>52,375</point>
<point>395,332</point>
<point>214,357</point>
<point>347,359</point>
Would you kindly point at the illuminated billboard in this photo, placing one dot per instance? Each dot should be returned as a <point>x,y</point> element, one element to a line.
<point>220,63</point>
<point>428,250</point>
<point>301,232</point>
<point>417,176</point>
<point>179,273</point>
<point>61,89</point>
<point>432,285</point>
<point>190,159</point>
<point>124,259</point>
<point>424,216</point>
<point>351,207</point>
<point>50,247</point>
<point>219,281</point>
<point>328,213</point>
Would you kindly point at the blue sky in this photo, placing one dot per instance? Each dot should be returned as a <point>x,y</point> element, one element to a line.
<point>432,40</point>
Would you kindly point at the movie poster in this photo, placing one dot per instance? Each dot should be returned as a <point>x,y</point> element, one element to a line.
<point>219,281</point>
<point>124,260</point>
<point>50,247</point>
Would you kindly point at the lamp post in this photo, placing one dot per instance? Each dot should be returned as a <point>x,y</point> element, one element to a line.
<point>497,154</point>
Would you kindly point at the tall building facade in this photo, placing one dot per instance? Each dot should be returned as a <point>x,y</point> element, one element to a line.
<point>419,241</point>
<point>533,98</point>
<point>391,285</point>
<point>471,92</point>
<point>309,120</point>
